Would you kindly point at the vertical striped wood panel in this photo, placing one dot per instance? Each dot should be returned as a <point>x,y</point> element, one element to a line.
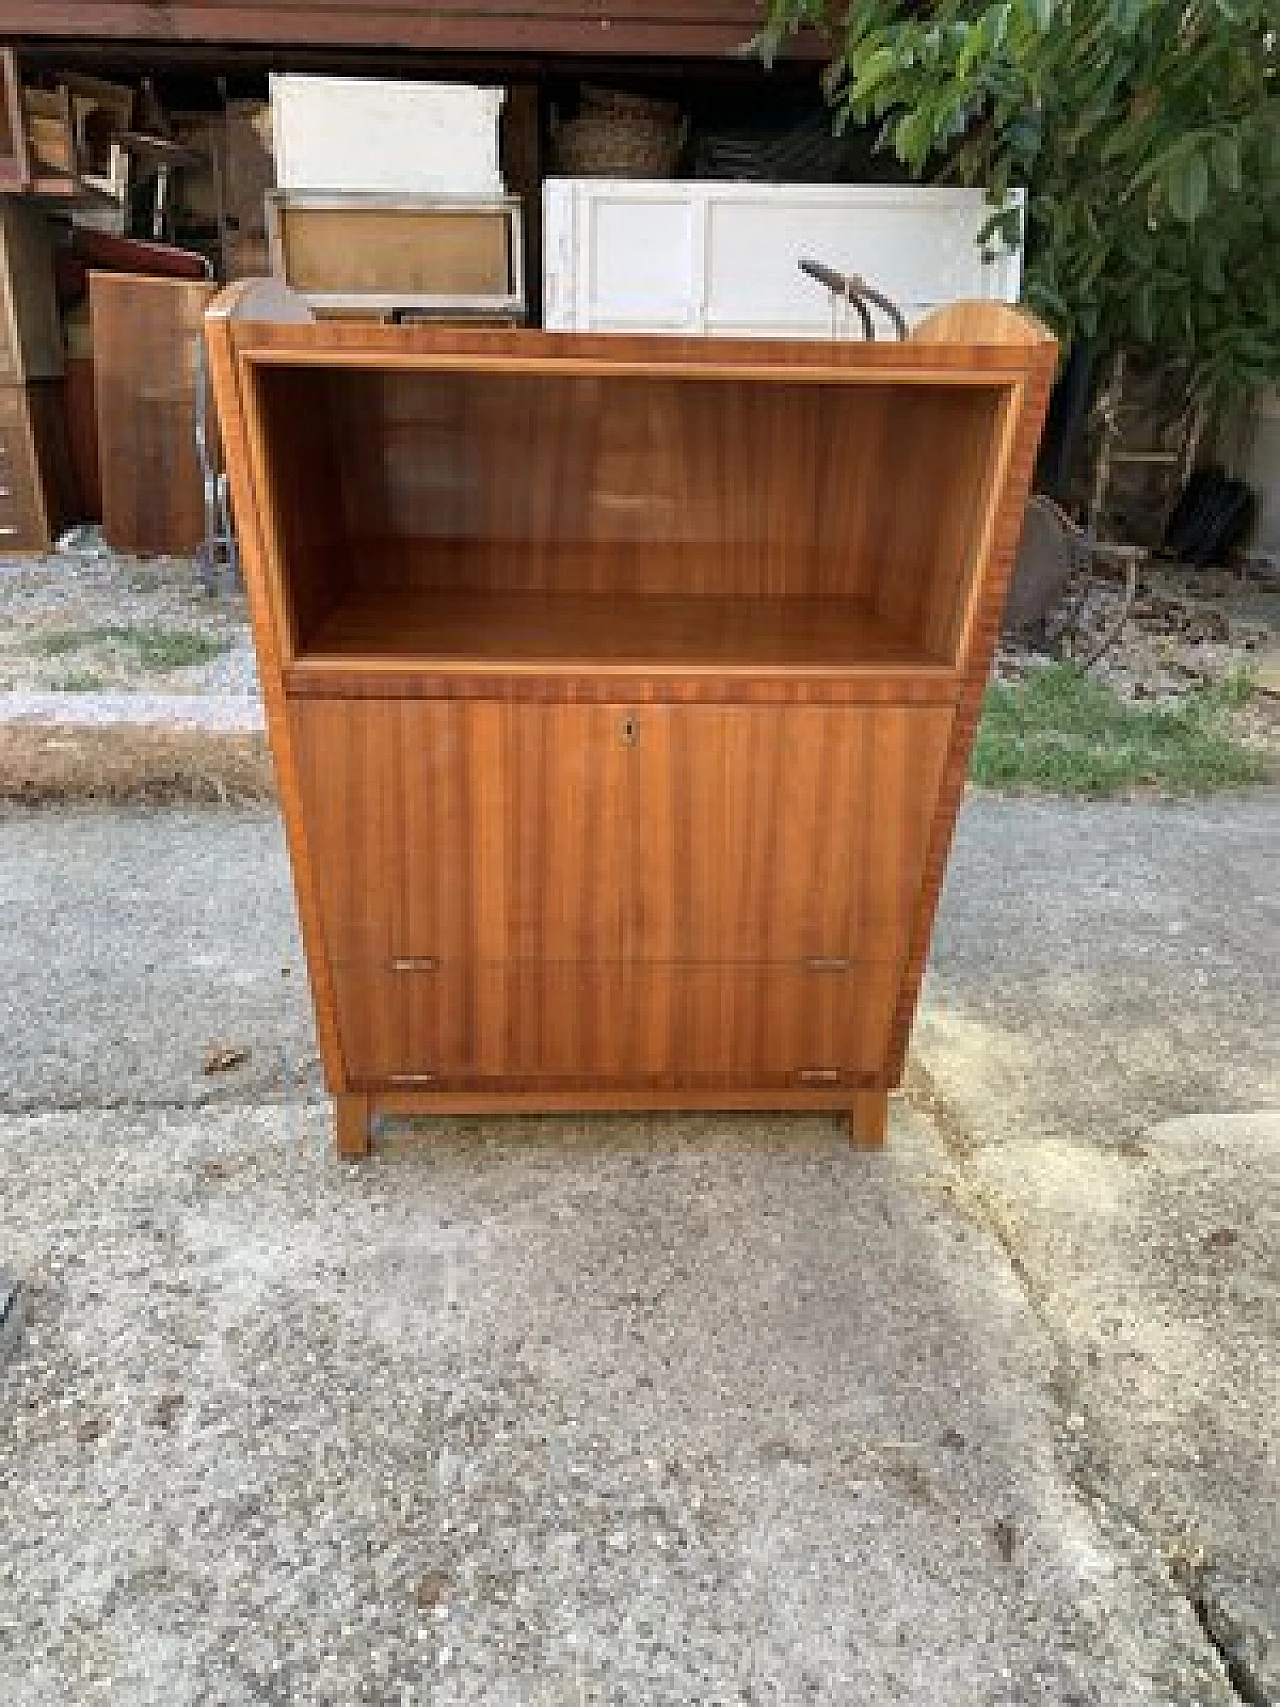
<point>661,1027</point>
<point>594,833</point>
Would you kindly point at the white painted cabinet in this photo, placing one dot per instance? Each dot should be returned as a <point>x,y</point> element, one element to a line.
<point>707,256</point>
<point>362,133</point>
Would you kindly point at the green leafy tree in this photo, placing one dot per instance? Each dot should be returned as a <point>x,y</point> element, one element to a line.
<point>1145,132</point>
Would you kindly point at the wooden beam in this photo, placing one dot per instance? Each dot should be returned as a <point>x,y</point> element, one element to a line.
<point>648,29</point>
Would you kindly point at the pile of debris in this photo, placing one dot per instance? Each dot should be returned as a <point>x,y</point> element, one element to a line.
<point>1185,629</point>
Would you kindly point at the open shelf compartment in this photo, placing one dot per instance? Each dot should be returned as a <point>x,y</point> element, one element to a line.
<point>473,520</point>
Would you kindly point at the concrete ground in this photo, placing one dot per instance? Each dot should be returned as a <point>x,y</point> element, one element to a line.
<point>647,1410</point>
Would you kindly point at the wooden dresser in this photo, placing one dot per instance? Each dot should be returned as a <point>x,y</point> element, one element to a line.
<point>621,692</point>
<point>37,489</point>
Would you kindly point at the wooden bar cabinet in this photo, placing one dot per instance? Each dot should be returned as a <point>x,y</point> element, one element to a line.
<point>621,691</point>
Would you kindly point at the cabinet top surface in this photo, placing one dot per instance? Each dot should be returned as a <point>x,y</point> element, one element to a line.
<point>972,343</point>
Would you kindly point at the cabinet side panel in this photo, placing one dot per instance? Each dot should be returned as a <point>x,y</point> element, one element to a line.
<point>924,519</point>
<point>230,406</point>
<point>37,490</point>
<point>1013,465</point>
<point>299,469</point>
<point>30,332</point>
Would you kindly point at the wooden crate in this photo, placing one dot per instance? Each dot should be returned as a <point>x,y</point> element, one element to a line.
<point>621,691</point>
<point>146,347</point>
<point>446,255</point>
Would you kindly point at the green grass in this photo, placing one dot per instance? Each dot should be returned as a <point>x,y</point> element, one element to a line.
<point>59,641</point>
<point>160,648</point>
<point>78,681</point>
<point>154,646</point>
<point>1063,731</point>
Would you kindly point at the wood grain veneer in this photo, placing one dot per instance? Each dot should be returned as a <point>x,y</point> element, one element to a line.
<point>621,691</point>
<point>468,832</point>
<point>664,1028</point>
<point>566,630</point>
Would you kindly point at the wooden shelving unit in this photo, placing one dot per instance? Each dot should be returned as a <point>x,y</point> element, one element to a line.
<point>621,692</point>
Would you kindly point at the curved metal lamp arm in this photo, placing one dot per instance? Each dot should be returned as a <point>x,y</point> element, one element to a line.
<point>852,297</point>
<point>887,304</point>
<point>855,289</point>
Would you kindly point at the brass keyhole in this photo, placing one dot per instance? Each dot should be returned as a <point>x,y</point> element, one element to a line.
<point>630,730</point>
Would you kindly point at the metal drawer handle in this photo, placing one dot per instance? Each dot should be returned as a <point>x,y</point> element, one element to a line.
<point>828,963</point>
<point>415,963</point>
<point>820,1076</point>
<point>411,1078</point>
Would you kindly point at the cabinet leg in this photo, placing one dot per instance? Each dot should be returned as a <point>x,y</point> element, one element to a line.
<point>869,1119</point>
<point>351,1122</point>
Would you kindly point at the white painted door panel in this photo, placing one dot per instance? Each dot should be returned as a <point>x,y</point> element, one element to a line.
<point>639,263</point>
<point>722,258</point>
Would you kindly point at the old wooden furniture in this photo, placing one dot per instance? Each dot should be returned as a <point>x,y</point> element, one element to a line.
<point>378,254</point>
<point>620,691</point>
<point>36,490</point>
<point>146,350</point>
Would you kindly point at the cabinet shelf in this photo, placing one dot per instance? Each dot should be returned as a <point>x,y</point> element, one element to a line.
<point>398,629</point>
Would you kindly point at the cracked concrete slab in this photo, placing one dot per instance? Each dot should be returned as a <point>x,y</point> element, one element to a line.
<point>10,1311</point>
<point>1100,966</point>
<point>1101,1037</point>
<point>1162,1271</point>
<point>635,1410</point>
<point>136,941</point>
<point>623,1411</point>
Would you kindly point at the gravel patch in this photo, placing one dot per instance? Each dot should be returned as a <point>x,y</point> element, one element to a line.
<point>97,638</point>
<point>214,712</point>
